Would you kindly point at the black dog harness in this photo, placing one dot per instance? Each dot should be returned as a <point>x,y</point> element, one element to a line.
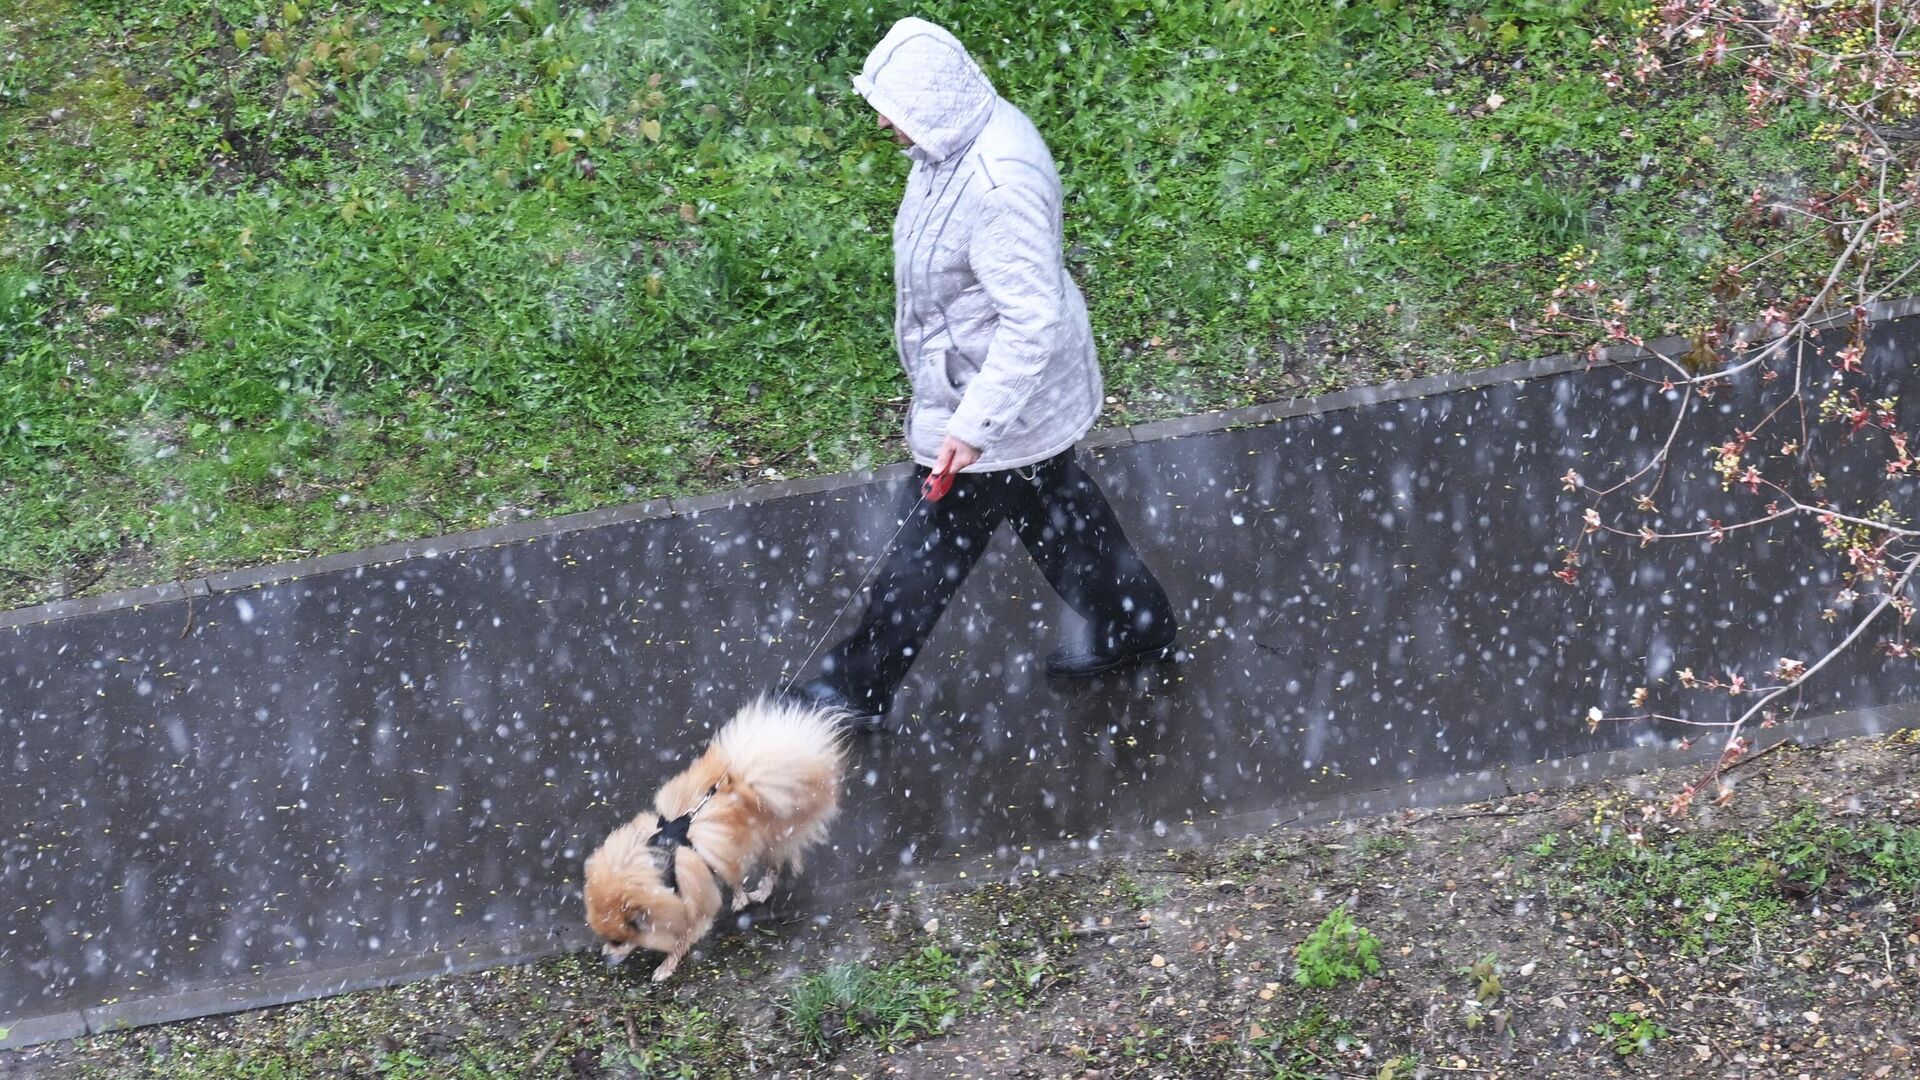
<point>672,835</point>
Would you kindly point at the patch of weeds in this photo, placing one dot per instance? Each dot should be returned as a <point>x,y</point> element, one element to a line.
<point>1157,1050</point>
<point>1303,1048</point>
<point>1875,858</point>
<point>690,1043</point>
<point>1337,951</point>
<point>227,1064</point>
<point>1034,913</point>
<point>1399,1067</point>
<point>1024,930</point>
<point>1688,891</point>
<point>1240,861</point>
<point>1485,973</point>
<point>1383,845</point>
<point>1561,211</point>
<point>1630,1033</point>
<point>559,1012</point>
<point>1316,853</point>
<point>1696,889</point>
<point>891,1005</point>
<point>1015,978</point>
<point>1132,893</point>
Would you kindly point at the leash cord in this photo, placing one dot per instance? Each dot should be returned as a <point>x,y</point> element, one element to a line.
<point>882,561</point>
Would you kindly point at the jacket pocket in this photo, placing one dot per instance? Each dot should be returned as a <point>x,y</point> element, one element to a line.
<point>960,370</point>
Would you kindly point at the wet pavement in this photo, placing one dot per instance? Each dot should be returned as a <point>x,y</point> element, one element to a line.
<point>267,793</point>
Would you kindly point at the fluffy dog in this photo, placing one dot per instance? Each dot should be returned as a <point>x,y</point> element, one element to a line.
<point>761,794</point>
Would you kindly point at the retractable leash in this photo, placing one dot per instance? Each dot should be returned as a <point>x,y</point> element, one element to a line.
<point>675,833</point>
<point>932,489</point>
<point>935,486</point>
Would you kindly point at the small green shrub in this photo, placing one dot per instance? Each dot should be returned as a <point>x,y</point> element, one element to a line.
<point>1630,1033</point>
<point>1337,951</point>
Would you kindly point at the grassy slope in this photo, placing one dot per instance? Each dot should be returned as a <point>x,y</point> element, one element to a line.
<point>276,281</point>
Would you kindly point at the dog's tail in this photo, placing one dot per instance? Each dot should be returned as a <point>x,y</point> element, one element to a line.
<point>788,753</point>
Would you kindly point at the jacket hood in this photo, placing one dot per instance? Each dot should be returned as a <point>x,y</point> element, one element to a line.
<point>921,78</point>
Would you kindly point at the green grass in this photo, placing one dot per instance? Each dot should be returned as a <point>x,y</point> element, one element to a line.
<point>1382,846</point>
<point>924,993</point>
<point>1694,891</point>
<point>533,1021</point>
<point>559,1015</point>
<point>891,1004</point>
<point>1293,1045</point>
<point>1295,1051</point>
<point>278,279</point>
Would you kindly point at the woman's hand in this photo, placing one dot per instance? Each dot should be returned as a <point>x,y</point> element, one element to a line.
<point>954,457</point>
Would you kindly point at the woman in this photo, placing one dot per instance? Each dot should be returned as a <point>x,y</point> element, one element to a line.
<point>996,343</point>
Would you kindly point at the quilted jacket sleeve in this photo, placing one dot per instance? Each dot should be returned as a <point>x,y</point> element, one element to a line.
<point>1015,255</point>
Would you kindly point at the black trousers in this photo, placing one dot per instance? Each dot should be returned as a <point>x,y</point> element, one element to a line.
<point>1068,528</point>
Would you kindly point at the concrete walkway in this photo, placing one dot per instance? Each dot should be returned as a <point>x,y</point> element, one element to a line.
<point>394,762</point>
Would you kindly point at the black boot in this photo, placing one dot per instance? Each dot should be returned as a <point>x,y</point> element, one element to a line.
<point>1086,662</point>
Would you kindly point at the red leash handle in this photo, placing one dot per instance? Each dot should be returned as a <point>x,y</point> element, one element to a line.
<point>936,485</point>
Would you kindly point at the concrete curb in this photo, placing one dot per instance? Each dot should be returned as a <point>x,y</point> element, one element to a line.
<point>1496,783</point>
<point>693,506</point>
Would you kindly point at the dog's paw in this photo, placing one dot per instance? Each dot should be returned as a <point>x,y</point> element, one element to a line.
<point>666,968</point>
<point>757,896</point>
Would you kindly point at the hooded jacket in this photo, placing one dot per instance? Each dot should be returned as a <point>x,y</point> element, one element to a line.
<point>990,327</point>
